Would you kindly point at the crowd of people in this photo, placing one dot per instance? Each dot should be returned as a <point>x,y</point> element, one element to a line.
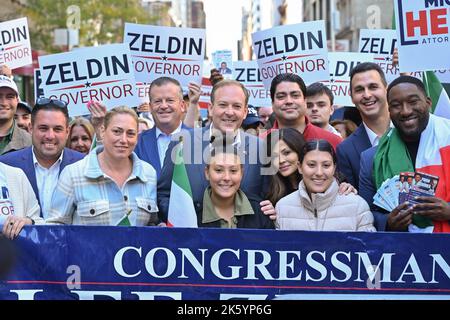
<point>284,166</point>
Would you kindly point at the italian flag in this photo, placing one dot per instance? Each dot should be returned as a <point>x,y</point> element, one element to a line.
<point>437,93</point>
<point>94,143</point>
<point>181,206</point>
<point>433,157</point>
<point>124,221</point>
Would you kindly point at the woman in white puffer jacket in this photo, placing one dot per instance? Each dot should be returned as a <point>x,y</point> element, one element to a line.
<point>316,205</point>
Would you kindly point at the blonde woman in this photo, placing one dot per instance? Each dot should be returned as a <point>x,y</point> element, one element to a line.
<point>111,185</point>
<point>81,134</point>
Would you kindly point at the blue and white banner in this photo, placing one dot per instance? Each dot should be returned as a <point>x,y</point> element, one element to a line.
<point>150,263</point>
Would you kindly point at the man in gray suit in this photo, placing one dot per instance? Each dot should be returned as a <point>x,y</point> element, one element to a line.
<point>228,108</point>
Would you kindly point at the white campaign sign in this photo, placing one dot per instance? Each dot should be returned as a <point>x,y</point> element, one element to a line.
<point>443,75</point>
<point>15,47</point>
<point>423,32</point>
<point>381,42</point>
<point>340,64</point>
<point>38,92</point>
<point>103,73</point>
<point>165,51</point>
<point>223,61</point>
<point>247,72</point>
<point>142,91</point>
<point>298,48</point>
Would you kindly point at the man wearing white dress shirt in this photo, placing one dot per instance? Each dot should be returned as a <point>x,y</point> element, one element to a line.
<point>167,107</point>
<point>45,159</point>
<point>368,89</point>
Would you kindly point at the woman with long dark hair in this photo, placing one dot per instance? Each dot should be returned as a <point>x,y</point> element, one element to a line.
<point>317,205</point>
<point>285,146</point>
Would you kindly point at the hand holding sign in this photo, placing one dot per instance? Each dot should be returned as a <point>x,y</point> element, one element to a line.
<point>143,107</point>
<point>98,113</point>
<point>195,91</point>
<point>5,71</point>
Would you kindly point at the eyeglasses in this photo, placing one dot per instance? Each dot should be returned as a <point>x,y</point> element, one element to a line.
<point>45,101</point>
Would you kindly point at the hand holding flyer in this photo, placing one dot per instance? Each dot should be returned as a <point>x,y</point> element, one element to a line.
<point>387,195</point>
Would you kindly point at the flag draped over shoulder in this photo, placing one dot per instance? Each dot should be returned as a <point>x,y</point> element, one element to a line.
<point>433,157</point>
<point>181,206</point>
<point>437,93</point>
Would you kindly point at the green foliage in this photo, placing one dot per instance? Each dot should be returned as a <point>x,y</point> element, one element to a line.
<point>101,21</point>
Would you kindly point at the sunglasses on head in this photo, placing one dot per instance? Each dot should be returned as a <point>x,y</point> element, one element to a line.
<point>46,101</point>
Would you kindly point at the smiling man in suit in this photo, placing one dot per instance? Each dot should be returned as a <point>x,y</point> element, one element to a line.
<point>47,157</point>
<point>167,107</point>
<point>228,109</point>
<point>368,90</point>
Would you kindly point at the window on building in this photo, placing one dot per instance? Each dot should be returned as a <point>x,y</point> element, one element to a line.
<point>315,11</point>
<point>320,15</point>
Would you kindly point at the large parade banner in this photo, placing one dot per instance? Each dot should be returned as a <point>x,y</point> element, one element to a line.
<point>298,48</point>
<point>103,73</point>
<point>165,51</point>
<point>147,263</point>
<point>340,64</point>
<point>15,47</point>
<point>423,34</point>
<point>247,72</point>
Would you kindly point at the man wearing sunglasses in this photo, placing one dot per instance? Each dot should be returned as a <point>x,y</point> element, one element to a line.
<point>11,136</point>
<point>47,157</point>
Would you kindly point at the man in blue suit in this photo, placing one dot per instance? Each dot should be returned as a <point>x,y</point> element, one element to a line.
<point>368,90</point>
<point>167,108</point>
<point>229,100</point>
<point>47,157</point>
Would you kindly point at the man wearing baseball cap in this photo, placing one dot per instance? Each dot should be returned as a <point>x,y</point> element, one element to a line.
<point>252,123</point>
<point>23,116</point>
<point>11,136</point>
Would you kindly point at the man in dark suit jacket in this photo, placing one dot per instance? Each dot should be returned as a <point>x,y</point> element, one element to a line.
<point>147,148</point>
<point>228,108</point>
<point>224,68</point>
<point>368,190</point>
<point>368,90</point>
<point>349,153</point>
<point>167,108</point>
<point>44,161</point>
<point>415,137</point>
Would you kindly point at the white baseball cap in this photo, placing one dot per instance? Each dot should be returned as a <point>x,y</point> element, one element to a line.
<point>8,83</point>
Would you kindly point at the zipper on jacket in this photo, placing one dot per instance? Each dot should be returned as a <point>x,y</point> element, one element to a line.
<point>315,212</point>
